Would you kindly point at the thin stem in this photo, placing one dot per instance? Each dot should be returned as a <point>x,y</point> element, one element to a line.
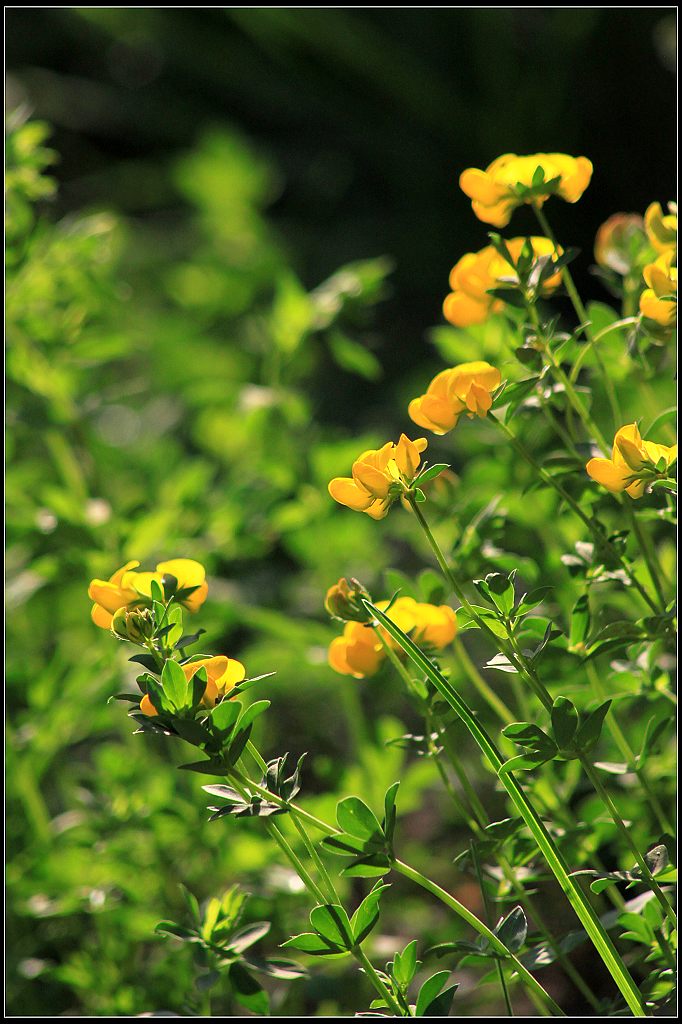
<point>627,752</point>
<point>590,522</point>
<point>546,844</point>
<point>487,693</point>
<point>649,555</point>
<point>409,872</point>
<point>482,929</point>
<point>320,897</point>
<point>486,907</point>
<point>583,318</point>
<point>632,846</point>
<point>378,983</point>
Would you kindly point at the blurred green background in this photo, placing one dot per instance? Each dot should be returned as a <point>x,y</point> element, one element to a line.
<point>231,293</point>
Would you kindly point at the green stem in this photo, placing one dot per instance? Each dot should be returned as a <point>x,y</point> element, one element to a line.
<point>545,843</point>
<point>627,752</point>
<point>482,929</point>
<point>593,776</point>
<point>240,783</point>
<point>486,907</point>
<point>486,692</point>
<point>583,319</point>
<point>590,522</point>
<point>378,983</point>
<point>649,555</point>
<point>409,872</point>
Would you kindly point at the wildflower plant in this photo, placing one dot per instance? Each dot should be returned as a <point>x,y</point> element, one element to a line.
<point>535,683</point>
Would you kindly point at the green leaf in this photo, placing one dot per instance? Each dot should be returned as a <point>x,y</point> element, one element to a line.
<point>564,722</point>
<point>225,714</point>
<point>405,965</point>
<point>313,945</point>
<point>525,762</point>
<point>390,812</point>
<point>432,472</point>
<point>248,992</point>
<point>331,923</point>
<point>428,992</point>
<point>580,622</point>
<point>175,684</point>
<point>352,356</point>
<point>513,929</point>
<point>529,735</point>
<point>367,914</point>
<point>590,731</point>
<point>355,817</point>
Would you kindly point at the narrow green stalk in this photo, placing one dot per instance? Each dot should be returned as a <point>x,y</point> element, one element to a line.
<point>627,752</point>
<point>378,983</point>
<point>487,693</point>
<point>477,820</point>
<point>648,553</point>
<point>551,1008</point>
<point>590,522</point>
<point>593,776</point>
<point>409,872</point>
<point>546,844</point>
<point>583,319</point>
<point>316,892</point>
<point>486,907</point>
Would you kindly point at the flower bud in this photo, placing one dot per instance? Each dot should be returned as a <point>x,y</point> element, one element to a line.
<point>619,242</point>
<point>135,625</point>
<point>344,601</point>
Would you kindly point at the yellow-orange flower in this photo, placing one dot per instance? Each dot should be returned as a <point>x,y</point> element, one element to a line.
<point>379,476</point>
<point>432,626</point>
<point>110,595</point>
<point>632,463</point>
<point>223,674</point>
<point>466,388</point>
<point>358,652</point>
<point>495,192</point>
<point>662,227</point>
<point>659,300</point>
<point>190,576</point>
<point>476,273</point>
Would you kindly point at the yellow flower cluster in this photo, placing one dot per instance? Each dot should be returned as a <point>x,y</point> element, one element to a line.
<point>466,388</point>
<point>658,301</point>
<point>476,273</point>
<point>632,463</point>
<point>379,477</point>
<point>359,652</point>
<point>222,673</point>
<point>511,180</point>
<point>128,588</point>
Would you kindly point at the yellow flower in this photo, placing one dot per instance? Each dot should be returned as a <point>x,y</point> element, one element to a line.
<point>110,595</point>
<point>222,673</point>
<point>465,388</point>
<point>190,576</point>
<point>476,273</point>
<point>632,463</point>
<point>379,477</point>
<point>662,228</point>
<point>358,652</point>
<point>659,300</point>
<point>619,241</point>
<point>432,626</point>
<point>495,192</point>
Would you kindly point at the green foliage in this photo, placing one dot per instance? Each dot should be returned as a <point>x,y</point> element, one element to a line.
<point>167,395</point>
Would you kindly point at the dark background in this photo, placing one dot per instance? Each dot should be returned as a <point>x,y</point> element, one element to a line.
<point>369,115</point>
